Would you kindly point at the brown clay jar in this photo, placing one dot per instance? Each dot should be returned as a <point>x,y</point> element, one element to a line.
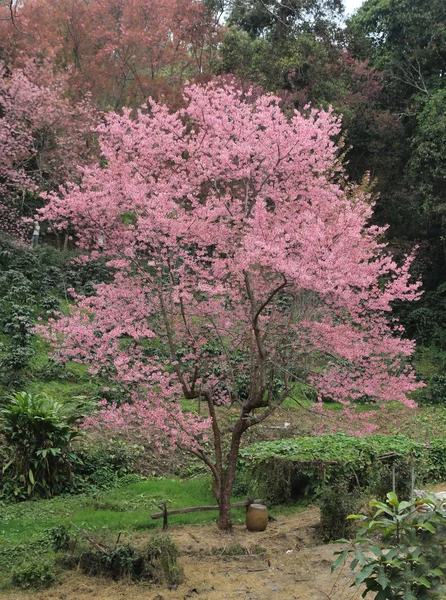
<point>257,517</point>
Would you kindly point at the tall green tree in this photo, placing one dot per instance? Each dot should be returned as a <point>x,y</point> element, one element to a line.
<point>406,40</point>
<point>282,19</point>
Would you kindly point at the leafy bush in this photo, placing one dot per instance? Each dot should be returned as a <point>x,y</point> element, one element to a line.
<point>32,284</point>
<point>158,563</point>
<point>435,461</point>
<point>53,369</point>
<point>102,464</point>
<point>38,432</point>
<point>12,366</point>
<point>26,281</point>
<point>425,321</point>
<point>162,555</point>
<point>435,392</point>
<point>289,469</point>
<point>129,479</point>
<point>121,561</point>
<point>336,504</point>
<point>84,276</point>
<point>410,564</point>
<point>59,536</point>
<point>33,575</point>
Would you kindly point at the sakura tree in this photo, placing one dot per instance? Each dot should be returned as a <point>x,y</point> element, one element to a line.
<point>122,51</point>
<point>43,138</point>
<point>244,265</point>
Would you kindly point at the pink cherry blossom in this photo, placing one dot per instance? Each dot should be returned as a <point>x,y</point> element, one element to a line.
<point>243,267</point>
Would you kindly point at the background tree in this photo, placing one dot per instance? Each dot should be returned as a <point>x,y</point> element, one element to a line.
<point>44,139</point>
<point>243,268</point>
<point>405,40</point>
<point>120,51</point>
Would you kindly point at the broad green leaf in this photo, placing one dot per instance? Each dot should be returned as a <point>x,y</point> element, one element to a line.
<point>376,551</point>
<point>392,499</point>
<point>423,581</point>
<point>382,578</point>
<point>428,526</point>
<point>364,574</point>
<point>391,553</point>
<point>339,560</point>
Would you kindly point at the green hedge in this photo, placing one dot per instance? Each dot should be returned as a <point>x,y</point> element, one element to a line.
<point>287,469</point>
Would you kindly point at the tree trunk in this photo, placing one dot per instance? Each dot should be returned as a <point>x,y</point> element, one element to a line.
<point>224,515</point>
<point>228,477</point>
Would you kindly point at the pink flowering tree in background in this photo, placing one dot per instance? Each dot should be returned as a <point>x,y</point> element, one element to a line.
<point>43,139</point>
<point>244,266</point>
<point>122,51</point>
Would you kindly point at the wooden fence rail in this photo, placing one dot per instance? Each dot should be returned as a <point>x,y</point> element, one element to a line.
<point>181,511</point>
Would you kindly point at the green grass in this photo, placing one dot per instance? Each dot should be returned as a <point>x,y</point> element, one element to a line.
<point>62,390</point>
<point>123,509</point>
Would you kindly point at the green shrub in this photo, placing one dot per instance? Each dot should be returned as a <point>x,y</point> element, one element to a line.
<point>336,503</point>
<point>159,563</point>
<point>162,555</point>
<point>409,563</point>
<point>128,479</point>
<point>435,392</point>
<point>119,562</point>
<point>13,365</point>
<point>59,536</point>
<point>103,464</point>
<point>38,433</point>
<point>245,484</point>
<point>53,370</point>
<point>84,276</point>
<point>33,575</point>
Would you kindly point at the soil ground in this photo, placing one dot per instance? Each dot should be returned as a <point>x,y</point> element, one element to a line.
<point>285,562</point>
<point>282,563</point>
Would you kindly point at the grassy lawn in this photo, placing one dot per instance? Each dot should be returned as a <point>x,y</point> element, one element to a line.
<point>122,509</point>
<point>24,527</point>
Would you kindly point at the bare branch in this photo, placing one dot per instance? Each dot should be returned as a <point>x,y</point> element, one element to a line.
<point>12,17</point>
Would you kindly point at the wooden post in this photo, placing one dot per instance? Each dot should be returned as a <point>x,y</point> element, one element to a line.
<point>164,509</point>
<point>393,478</point>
